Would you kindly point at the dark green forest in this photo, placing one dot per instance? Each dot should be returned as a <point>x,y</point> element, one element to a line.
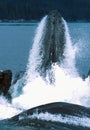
<point>71,10</point>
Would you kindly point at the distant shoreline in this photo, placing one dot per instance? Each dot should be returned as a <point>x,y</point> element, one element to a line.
<point>18,21</point>
<point>36,21</point>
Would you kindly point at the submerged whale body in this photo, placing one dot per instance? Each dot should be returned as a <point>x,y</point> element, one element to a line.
<point>58,116</point>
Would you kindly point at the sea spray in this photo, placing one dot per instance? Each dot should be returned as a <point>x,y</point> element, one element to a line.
<point>38,92</point>
<point>66,89</point>
<point>35,58</point>
<point>68,86</point>
<point>69,53</point>
<point>7,110</point>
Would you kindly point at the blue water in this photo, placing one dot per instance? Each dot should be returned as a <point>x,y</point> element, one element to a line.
<point>16,40</point>
<point>15,43</point>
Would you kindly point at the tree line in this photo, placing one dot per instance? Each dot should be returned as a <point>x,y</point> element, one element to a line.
<point>71,10</point>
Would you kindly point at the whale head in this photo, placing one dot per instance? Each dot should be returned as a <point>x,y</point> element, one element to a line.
<point>53,43</point>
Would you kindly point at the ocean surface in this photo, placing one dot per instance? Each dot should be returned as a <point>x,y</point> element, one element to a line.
<point>16,41</point>
<point>60,105</point>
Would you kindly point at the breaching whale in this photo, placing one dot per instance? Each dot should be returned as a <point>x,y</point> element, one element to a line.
<point>53,45</point>
<point>53,42</point>
<point>48,47</point>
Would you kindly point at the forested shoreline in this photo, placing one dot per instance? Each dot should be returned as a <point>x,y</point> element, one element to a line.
<point>26,10</point>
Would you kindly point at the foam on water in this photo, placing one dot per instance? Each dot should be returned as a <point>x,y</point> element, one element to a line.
<point>7,110</point>
<point>66,89</point>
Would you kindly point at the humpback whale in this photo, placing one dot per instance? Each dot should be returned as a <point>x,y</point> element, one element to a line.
<point>57,115</point>
<point>54,39</point>
<point>48,47</point>
<point>53,45</point>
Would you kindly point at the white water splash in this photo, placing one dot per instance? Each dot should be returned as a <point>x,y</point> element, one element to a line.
<point>35,58</point>
<point>7,110</point>
<point>68,86</point>
<point>69,53</point>
<point>66,89</point>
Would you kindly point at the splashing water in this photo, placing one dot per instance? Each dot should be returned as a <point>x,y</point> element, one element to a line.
<point>6,109</point>
<point>69,53</point>
<point>66,89</point>
<point>68,86</point>
<point>35,58</point>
